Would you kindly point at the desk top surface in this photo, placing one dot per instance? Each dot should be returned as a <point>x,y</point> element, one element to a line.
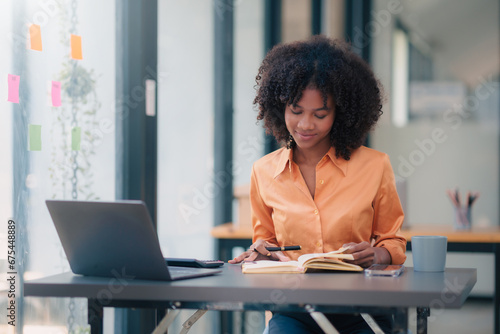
<point>447,289</point>
<point>230,231</point>
<point>490,234</point>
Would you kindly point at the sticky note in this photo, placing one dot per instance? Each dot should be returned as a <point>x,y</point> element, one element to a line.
<point>56,93</point>
<point>76,47</point>
<point>35,37</point>
<point>34,137</point>
<point>76,137</point>
<point>13,84</point>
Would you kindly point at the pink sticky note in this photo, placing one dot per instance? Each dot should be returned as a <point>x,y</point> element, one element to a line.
<point>56,94</point>
<point>13,83</point>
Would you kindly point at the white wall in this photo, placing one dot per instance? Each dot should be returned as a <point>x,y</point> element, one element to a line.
<point>451,149</point>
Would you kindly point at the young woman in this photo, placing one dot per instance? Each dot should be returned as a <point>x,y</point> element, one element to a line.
<point>323,190</point>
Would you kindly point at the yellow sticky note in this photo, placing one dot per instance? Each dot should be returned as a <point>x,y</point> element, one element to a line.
<point>34,137</point>
<point>76,137</point>
<point>76,47</point>
<point>35,37</point>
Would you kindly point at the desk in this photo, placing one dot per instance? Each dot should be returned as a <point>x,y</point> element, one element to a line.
<point>477,240</point>
<point>232,290</point>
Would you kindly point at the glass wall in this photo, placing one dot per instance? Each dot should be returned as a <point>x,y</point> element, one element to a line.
<point>248,135</point>
<point>185,146</point>
<point>6,150</point>
<point>58,116</point>
<point>185,131</point>
<point>186,189</point>
<point>248,53</point>
<point>439,64</point>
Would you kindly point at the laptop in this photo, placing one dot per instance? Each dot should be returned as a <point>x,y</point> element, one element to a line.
<point>114,239</point>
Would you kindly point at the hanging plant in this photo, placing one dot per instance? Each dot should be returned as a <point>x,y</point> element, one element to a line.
<point>70,170</point>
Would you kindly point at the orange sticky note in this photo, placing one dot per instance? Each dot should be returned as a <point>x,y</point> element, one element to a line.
<point>36,37</point>
<point>76,47</point>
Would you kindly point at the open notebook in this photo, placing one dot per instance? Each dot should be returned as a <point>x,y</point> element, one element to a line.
<point>307,262</point>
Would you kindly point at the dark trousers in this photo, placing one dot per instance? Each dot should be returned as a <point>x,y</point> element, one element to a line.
<point>303,323</point>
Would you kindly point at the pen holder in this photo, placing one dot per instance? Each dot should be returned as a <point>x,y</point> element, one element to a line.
<point>461,219</point>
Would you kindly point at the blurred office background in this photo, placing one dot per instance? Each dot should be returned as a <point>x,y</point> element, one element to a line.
<point>185,148</point>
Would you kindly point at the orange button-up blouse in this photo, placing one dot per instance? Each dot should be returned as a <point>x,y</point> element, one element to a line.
<point>355,200</point>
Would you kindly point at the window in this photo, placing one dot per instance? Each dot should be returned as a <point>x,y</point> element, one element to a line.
<point>186,184</point>
<point>63,152</point>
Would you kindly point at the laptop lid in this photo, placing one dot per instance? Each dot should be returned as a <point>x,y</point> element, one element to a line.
<point>112,239</point>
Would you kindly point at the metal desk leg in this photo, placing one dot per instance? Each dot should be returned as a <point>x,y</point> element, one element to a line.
<point>422,314</point>
<point>496,298</point>
<point>95,313</point>
<point>170,317</point>
<point>400,321</point>
<point>160,314</point>
<point>225,253</point>
<point>321,320</point>
<point>166,322</point>
<point>186,326</point>
<point>372,323</point>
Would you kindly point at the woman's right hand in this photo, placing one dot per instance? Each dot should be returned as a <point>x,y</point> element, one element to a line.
<point>258,251</point>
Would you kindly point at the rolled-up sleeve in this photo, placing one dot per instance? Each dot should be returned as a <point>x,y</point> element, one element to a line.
<point>388,217</point>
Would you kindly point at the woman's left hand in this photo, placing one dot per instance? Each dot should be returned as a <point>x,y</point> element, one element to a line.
<point>258,252</point>
<point>365,255</point>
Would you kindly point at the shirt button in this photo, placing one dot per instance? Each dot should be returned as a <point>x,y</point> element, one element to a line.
<point>321,181</point>
<point>316,211</point>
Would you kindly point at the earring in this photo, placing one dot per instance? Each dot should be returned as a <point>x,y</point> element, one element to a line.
<point>290,143</point>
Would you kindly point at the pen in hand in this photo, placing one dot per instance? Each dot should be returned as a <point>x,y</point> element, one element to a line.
<point>283,248</point>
